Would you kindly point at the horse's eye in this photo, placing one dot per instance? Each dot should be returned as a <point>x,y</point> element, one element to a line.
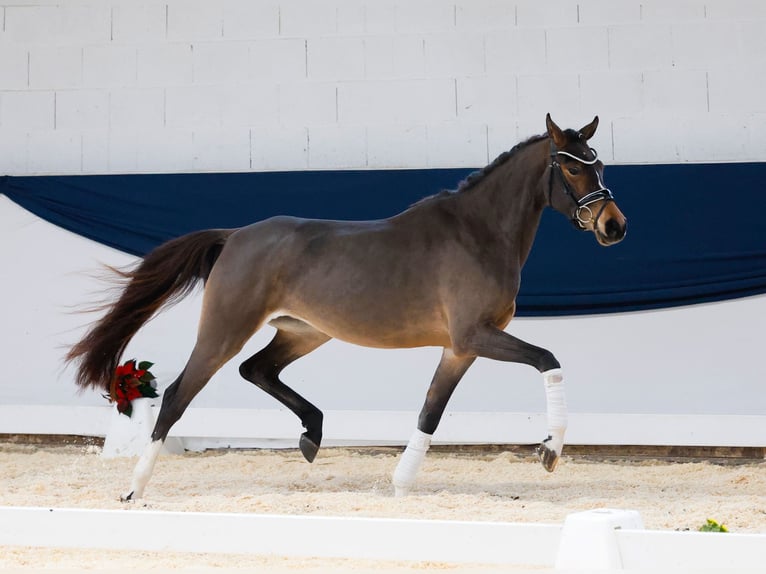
<point>573,170</point>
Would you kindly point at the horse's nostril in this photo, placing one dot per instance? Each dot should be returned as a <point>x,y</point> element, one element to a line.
<point>614,230</point>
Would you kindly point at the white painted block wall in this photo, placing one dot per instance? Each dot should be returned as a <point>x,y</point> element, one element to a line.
<point>190,86</point>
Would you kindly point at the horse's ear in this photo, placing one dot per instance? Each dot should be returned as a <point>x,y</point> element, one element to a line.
<point>554,132</point>
<point>588,131</point>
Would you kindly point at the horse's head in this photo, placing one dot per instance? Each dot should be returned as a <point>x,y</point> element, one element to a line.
<point>576,184</point>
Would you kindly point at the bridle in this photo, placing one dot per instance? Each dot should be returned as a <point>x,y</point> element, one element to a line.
<point>583,214</point>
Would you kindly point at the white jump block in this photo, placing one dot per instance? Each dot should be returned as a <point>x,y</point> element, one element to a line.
<point>128,436</point>
<point>589,542</point>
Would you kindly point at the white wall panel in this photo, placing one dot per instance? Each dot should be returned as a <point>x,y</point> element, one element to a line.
<point>111,66</point>
<point>28,110</point>
<point>84,109</point>
<point>335,59</point>
<point>55,67</point>
<point>342,63</point>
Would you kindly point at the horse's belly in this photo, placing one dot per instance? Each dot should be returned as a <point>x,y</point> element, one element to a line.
<point>366,330</point>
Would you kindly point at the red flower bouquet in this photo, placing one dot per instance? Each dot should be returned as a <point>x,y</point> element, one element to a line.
<point>131,382</point>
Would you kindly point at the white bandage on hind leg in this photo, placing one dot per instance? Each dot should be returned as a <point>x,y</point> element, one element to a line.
<point>410,461</point>
<point>553,380</point>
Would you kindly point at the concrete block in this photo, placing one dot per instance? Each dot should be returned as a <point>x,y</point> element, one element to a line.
<point>66,24</point>
<point>351,17</point>
<point>394,57</point>
<point>283,59</point>
<point>705,45</point>
<point>167,150</point>
<point>13,150</point>
<point>483,15</point>
<point>454,55</point>
<point>54,152</point>
<point>753,42</point>
<point>457,145</point>
<point>34,25</point>
<point>307,19</point>
<point>255,105</point>
<point>109,66</point>
<point>137,107</point>
<point>95,151</point>
<point>588,45</point>
<point>337,147</point>
<point>756,137</point>
<point>396,102</point>
<point>23,111</point>
<point>245,19</point>
<point>636,139</point>
<point>742,10</point>
<point>551,14</point>
<point>165,65</point>
<point>729,142</point>
<point>647,46</point>
<point>614,93</point>
<point>558,94</point>
<point>84,23</point>
<point>734,90</point>
<point>676,11</point>
<point>397,146</point>
<point>139,22</point>
<point>220,63</point>
<point>678,90</point>
<point>380,18</point>
<point>335,58</point>
<point>221,149</point>
<point>607,12</point>
<point>14,67</point>
<point>307,104</point>
<point>487,99</point>
<point>424,16</point>
<point>190,20</point>
<point>275,149</point>
<point>517,51</point>
<point>82,109</point>
<point>55,67</point>
<point>194,106</point>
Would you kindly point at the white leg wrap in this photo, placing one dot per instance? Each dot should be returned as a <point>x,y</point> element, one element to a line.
<point>410,461</point>
<point>553,381</point>
<point>143,471</point>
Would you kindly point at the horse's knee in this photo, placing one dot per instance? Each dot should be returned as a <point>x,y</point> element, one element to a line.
<point>254,371</point>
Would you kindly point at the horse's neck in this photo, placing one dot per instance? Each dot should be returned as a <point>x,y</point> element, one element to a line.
<point>511,200</point>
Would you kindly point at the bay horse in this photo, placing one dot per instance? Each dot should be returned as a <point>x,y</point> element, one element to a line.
<point>444,272</point>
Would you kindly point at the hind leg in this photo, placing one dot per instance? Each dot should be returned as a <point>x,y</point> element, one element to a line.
<point>214,348</point>
<point>293,340</point>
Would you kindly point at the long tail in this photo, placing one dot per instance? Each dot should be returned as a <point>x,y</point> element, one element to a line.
<point>165,276</point>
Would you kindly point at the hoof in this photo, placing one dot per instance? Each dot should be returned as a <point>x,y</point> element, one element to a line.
<point>308,447</point>
<point>127,497</point>
<point>547,456</point>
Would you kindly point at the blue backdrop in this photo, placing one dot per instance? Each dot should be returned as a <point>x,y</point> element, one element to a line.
<point>696,232</point>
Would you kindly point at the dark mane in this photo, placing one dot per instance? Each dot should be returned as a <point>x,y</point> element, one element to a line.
<point>477,176</point>
<point>474,178</point>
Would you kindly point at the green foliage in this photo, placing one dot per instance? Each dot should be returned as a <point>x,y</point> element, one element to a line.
<point>713,526</point>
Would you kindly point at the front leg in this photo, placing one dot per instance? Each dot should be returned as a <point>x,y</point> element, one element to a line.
<point>494,343</point>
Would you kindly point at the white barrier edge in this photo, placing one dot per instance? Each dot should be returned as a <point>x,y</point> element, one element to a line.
<point>303,536</point>
<point>395,427</point>
<point>710,551</point>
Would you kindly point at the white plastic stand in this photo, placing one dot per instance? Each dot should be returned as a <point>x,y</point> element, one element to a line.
<point>588,540</point>
<point>128,436</point>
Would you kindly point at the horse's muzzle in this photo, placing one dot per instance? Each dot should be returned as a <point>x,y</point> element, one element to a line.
<point>613,232</point>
